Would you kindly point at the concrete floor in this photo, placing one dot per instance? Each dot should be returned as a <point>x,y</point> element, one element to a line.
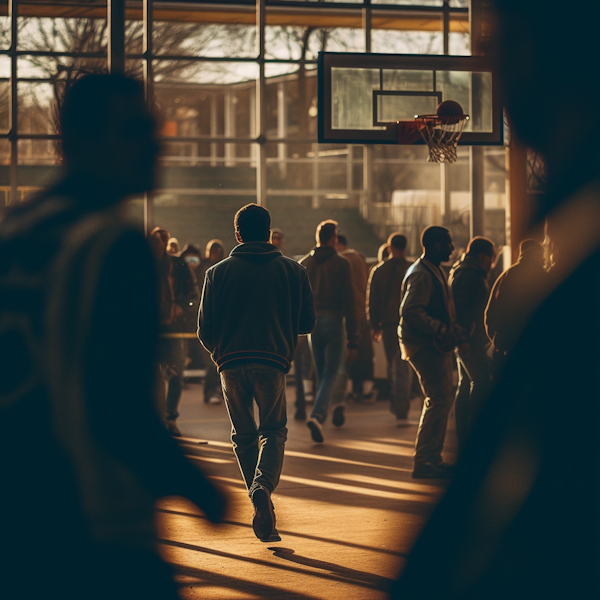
<point>347,510</point>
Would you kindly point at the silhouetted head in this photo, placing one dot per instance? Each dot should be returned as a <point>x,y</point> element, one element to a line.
<point>531,251</point>
<point>437,244</point>
<point>109,134</point>
<point>397,244</point>
<point>342,243</point>
<point>159,240</point>
<point>277,237</point>
<point>214,251</point>
<point>327,233</point>
<point>252,223</point>
<point>543,61</point>
<point>484,251</point>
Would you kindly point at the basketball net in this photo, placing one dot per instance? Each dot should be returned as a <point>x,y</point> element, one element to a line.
<point>441,134</point>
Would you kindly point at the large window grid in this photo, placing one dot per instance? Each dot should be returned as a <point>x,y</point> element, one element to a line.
<point>272,145</point>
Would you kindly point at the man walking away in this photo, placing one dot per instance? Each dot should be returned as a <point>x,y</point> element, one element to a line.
<point>471,291</point>
<point>360,371</point>
<point>384,293</point>
<point>254,305</point>
<point>428,336</point>
<point>331,280</point>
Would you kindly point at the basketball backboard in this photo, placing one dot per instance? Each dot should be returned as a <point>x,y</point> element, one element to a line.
<point>362,96</point>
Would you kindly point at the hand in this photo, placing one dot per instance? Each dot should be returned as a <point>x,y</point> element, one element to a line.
<point>351,356</point>
<point>177,311</point>
<point>377,335</point>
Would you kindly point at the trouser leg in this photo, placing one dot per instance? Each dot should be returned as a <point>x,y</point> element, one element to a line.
<point>269,393</point>
<point>327,345</point>
<point>238,393</point>
<point>400,374</point>
<point>435,375</point>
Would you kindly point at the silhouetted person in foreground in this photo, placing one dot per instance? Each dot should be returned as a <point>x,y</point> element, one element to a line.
<point>510,302</point>
<point>471,291</point>
<point>83,452</point>
<point>428,336</point>
<point>384,294</point>
<point>520,519</point>
<point>254,305</point>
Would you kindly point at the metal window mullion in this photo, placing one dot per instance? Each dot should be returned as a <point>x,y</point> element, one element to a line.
<point>116,35</point>
<point>261,105</point>
<point>148,18</point>
<point>14,103</point>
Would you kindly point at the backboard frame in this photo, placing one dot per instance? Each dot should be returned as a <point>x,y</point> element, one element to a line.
<point>418,62</point>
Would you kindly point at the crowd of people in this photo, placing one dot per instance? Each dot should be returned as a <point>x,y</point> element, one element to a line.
<point>81,313</point>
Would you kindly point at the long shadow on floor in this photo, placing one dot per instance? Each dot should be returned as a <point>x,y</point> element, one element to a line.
<point>356,577</point>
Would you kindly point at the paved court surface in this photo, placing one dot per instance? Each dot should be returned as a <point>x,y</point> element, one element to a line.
<point>347,510</point>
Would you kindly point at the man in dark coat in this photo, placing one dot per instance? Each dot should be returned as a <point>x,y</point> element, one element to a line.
<point>83,454</point>
<point>384,293</point>
<point>254,305</point>
<point>470,290</point>
<point>331,279</point>
<point>520,519</point>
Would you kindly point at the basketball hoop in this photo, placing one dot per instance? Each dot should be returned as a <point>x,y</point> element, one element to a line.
<point>442,131</point>
<point>441,134</point>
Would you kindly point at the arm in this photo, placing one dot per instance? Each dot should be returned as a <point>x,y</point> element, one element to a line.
<point>120,377</point>
<point>413,309</point>
<point>308,317</point>
<point>467,297</point>
<point>347,291</point>
<point>375,301</point>
<point>206,314</point>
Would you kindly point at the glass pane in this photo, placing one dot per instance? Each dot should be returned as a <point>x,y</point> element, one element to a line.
<point>38,153</point>
<point>459,44</point>
<point>459,3</point>
<point>292,103</point>
<point>473,91</point>
<point>404,108</point>
<point>62,35</point>
<point>406,80</point>
<point>352,97</point>
<point>208,104</point>
<point>192,73</point>
<point>407,42</point>
<point>37,109</point>
<point>59,68</point>
<point>202,39</point>
<point>289,42</point>
<point>4,94</point>
<point>4,34</point>
<point>4,154</point>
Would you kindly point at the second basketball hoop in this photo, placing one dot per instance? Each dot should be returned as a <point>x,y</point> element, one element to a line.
<point>442,131</point>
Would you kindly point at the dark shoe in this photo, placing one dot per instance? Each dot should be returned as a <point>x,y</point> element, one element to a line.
<point>300,414</point>
<point>316,431</point>
<point>338,418</point>
<point>172,428</point>
<point>431,471</point>
<point>263,522</point>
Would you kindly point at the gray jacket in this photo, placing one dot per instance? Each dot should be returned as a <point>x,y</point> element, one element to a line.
<point>426,305</point>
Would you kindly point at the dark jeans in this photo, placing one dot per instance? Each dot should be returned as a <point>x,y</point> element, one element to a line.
<point>327,343</point>
<point>362,369</point>
<point>171,356</point>
<point>473,387</point>
<point>400,373</point>
<point>259,450</point>
<point>435,375</point>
